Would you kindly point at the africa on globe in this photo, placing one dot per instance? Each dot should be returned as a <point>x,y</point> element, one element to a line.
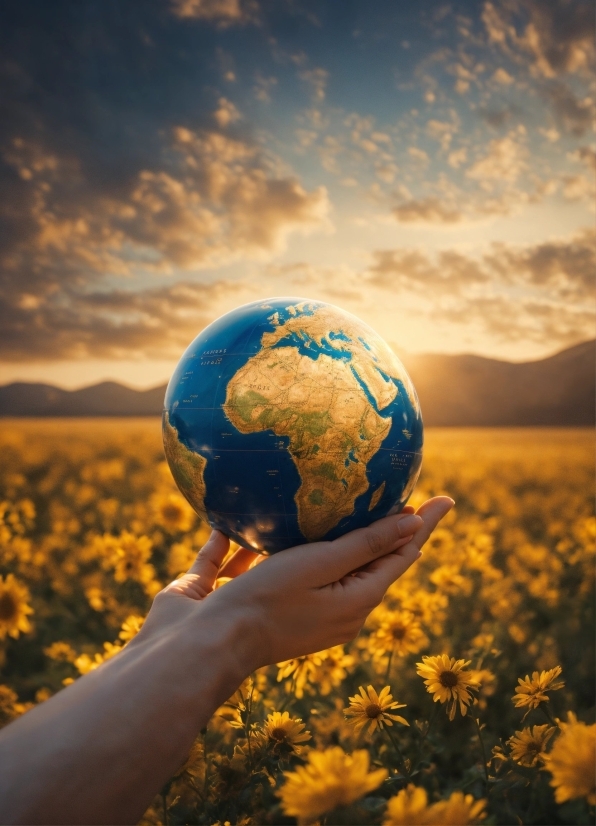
<point>289,421</point>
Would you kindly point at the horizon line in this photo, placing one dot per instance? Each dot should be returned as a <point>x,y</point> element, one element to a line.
<point>398,352</point>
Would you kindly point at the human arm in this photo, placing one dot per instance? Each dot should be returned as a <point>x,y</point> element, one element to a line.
<point>101,749</point>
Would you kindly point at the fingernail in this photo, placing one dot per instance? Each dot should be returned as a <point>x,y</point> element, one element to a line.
<point>409,524</point>
<point>419,554</point>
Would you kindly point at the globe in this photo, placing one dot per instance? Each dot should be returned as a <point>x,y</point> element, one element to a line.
<point>289,421</point>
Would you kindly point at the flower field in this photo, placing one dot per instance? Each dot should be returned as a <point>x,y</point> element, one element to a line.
<point>467,698</point>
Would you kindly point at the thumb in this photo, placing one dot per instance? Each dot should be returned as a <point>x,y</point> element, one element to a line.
<point>204,570</point>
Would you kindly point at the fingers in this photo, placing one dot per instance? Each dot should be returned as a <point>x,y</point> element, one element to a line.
<point>208,560</point>
<point>239,562</point>
<point>377,576</point>
<point>431,512</point>
<point>335,559</point>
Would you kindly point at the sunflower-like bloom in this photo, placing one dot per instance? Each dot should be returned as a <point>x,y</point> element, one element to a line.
<point>447,681</point>
<point>572,762</point>
<point>331,778</point>
<point>528,746</point>
<point>173,512</point>
<point>458,810</point>
<point>325,669</point>
<point>14,608</point>
<point>282,734</point>
<point>532,691</point>
<point>400,632</point>
<point>131,627</point>
<point>84,664</point>
<point>410,808</point>
<point>127,554</point>
<point>61,652</point>
<point>372,709</point>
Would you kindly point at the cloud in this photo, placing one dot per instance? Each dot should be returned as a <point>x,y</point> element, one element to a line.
<point>153,323</point>
<point>263,87</point>
<point>540,292</point>
<point>504,161</point>
<point>413,269</point>
<point>317,79</point>
<point>418,155</point>
<point>566,267</point>
<point>550,37</point>
<point>209,199</point>
<point>224,13</point>
<point>226,113</point>
<point>572,114</point>
<point>427,211</point>
<point>502,77</point>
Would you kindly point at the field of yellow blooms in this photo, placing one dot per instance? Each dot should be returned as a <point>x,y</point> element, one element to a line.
<point>467,698</point>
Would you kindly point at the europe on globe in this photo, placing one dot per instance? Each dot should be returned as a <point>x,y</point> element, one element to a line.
<point>288,421</point>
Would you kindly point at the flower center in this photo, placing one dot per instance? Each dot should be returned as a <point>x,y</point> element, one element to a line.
<point>171,512</point>
<point>8,607</point>
<point>399,633</point>
<point>449,679</point>
<point>278,734</point>
<point>373,710</point>
<point>533,747</point>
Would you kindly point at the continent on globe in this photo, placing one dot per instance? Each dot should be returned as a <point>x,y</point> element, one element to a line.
<point>322,402</point>
<point>188,468</point>
<point>291,420</point>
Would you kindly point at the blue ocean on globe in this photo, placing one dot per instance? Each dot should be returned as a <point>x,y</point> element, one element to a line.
<point>289,421</point>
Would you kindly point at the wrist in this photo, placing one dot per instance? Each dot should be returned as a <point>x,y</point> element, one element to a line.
<point>216,639</point>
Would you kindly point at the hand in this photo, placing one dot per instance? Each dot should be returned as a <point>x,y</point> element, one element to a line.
<point>303,599</point>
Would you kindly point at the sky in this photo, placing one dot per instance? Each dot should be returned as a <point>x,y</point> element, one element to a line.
<point>427,166</point>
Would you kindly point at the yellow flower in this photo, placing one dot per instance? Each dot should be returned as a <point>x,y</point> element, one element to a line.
<point>128,555</point>
<point>84,664</point>
<point>427,607</point>
<point>449,579</point>
<point>529,745</point>
<point>458,810</point>
<point>10,707</point>
<point>400,632</point>
<point>325,669</point>
<point>131,627</point>
<point>446,680</point>
<point>372,709</point>
<point>572,762</point>
<point>331,778</point>
<point>181,556</point>
<point>282,733</point>
<point>173,512</point>
<point>410,808</point>
<point>60,651</point>
<point>14,608</point>
<point>195,760</point>
<point>532,691</point>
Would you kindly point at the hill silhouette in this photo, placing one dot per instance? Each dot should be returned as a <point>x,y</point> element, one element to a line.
<point>463,390</point>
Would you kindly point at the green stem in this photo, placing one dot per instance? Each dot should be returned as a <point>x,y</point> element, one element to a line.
<point>388,672</point>
<point>247,727</point>
<point>423,737</point>
<point>484,763</point>
<point>290,694</point>
<point>399,753</point>
<point>548,715</point>
<point>206,764</point>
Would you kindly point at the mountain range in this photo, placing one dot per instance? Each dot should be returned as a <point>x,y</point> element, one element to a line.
<point>461,390</point>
